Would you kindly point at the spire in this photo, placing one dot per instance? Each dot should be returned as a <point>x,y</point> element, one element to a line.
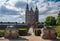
<point>36,14</point>
<point>31,8</point>
<point>36,8</point>
<point>27,7</point>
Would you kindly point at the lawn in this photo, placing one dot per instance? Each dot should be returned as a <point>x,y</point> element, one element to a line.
<point>57,28</point>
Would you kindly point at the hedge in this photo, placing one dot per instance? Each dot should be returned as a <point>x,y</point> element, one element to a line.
<point>1,33</point>
<point>23,31</point>
<point>37,31</point>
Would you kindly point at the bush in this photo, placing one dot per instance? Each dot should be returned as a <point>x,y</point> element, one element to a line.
<point>37,32</point>
<point>1,33</point>
<point>57,28</point>
<point>23,31</point>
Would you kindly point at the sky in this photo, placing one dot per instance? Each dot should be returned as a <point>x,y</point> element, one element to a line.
<point>14,10</point>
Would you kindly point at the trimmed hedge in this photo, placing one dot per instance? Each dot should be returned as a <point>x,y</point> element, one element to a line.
<point>1,33</point>
<point>23,31</point>
<point>37,31</point>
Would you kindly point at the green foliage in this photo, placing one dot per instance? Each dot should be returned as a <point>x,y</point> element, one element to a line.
<point>57,28</point>
<point>23,31</point>
<point>1,33</point>
<point>58,19</point>
<point>37,23</point>
<point>22,28</point>
<point>50,20</point>
<point>37,31</point>
<point>23,23</point>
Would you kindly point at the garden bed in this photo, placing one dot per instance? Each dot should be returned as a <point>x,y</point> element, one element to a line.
<point>23,31</point>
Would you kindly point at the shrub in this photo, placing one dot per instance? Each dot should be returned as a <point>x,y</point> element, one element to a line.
<point>37,32</point>
<point>23,31</point>
<point>57,28</point>
<point>1,33</point>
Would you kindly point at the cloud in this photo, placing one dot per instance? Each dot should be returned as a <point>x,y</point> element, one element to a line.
<point>16,9</point>
<point>44,8</point>
<point>6,11</point>
<point>43,17</point>
<point>20,4</point>
<point>11,18</point>
<point>54,0</point>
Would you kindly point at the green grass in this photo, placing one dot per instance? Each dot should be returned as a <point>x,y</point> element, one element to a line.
<point>22,28</point>
<point>1,30</point>
<point>23,31</point>
<point>37,28</point>
<point>1,33</point>
<point>57,28</point>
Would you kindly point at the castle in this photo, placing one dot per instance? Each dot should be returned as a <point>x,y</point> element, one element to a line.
<point>31,16</point>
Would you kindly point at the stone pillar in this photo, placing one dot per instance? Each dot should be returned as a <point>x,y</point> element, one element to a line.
<point>48,33</point>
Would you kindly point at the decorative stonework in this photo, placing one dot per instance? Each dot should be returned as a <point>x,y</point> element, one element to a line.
<point>48,33</point>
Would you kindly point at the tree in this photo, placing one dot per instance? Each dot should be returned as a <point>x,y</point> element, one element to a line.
<point>50,20</point>
<point>37,23</point>
<point>58,19</point>
<point>23,23</point>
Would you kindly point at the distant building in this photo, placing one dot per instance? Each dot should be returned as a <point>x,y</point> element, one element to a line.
<point>31,16</point>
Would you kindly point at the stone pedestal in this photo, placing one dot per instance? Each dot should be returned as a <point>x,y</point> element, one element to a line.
<point>48,33</point>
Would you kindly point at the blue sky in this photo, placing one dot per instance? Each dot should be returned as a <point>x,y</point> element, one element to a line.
<point>14,10</point>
